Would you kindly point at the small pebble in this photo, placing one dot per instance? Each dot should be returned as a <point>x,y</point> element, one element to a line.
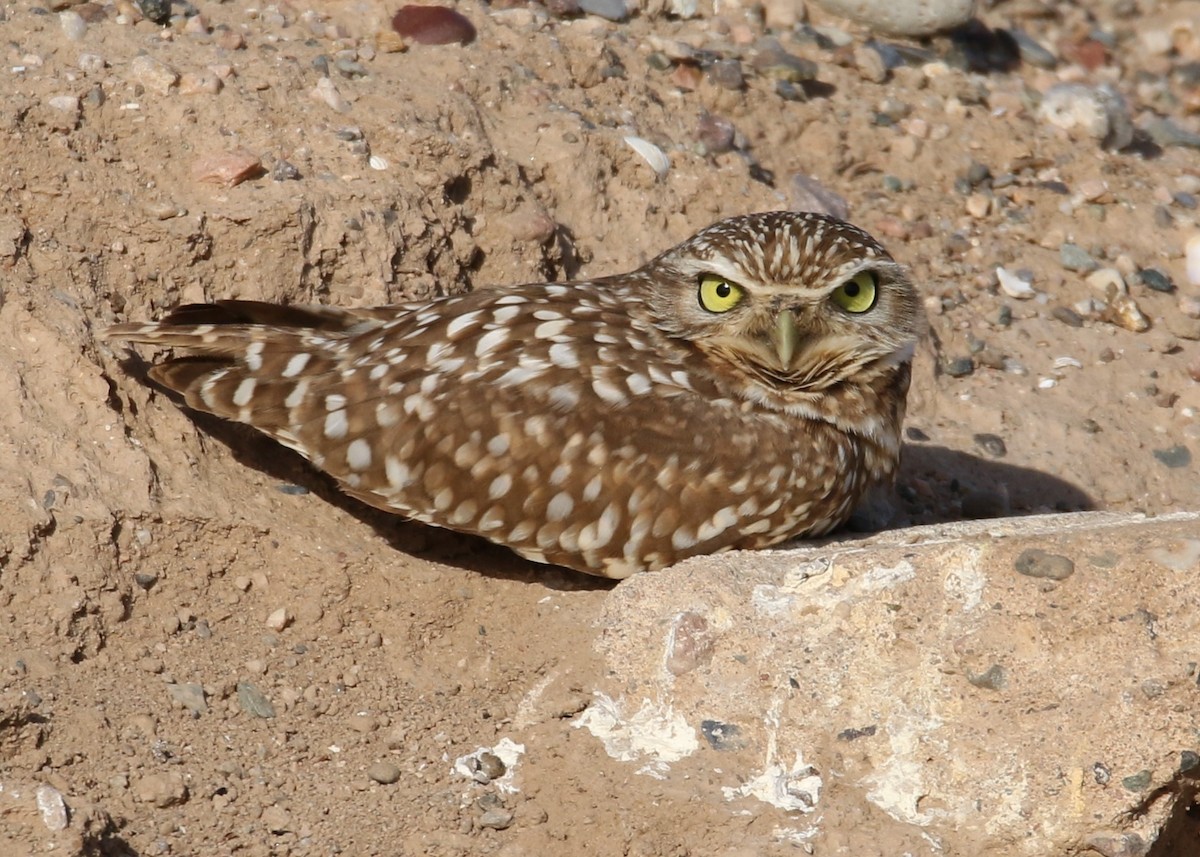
<point>1014,286</point>
<point>434,25</point>
<point>611,10</point>
<point>715,133</point>
<point>1075,258</point>
<point>279,619</point>
<point>496,818</point>
<point>199,83</point>
<point>284,171</point>
<point>253,701</point>
<point>1105,279</point>
<point>227,168</point>
<point>1154,279</point>
<point>992,444</point>
<point>691,642</point>
<point>1192,257</point>
<point>1031,50</point>
<point>773,61</point>
<point>1124,312</point>
<point>993,678</point>
<point>903,17</point>
<point>90,63</point>
<point>384,773</point>
<point>1035,562</point>
<point>651,154</point>
<point>145,579</point>
<point>1100,112</point>
<point>1174,457</point>
<point>1067,316</point>
<point>161,790</point>
<point>326,92</point>
<point>1166,133</point>
<point>870,64</point>
<point>52,807</point>
<point>727,74</point>
<point>1137,782</point>
<point>491,765</point>
<point>158,11</point>
<point>153,74</point>
<point>190,696</point>
<point>808,194</point>
<point>73,25</point>
<point>979,205</point>
<point>722,736</point>
<point>1116,844</point>
<point>959,367</point>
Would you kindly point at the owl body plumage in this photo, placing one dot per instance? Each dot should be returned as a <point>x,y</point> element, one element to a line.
<point>613,425</point>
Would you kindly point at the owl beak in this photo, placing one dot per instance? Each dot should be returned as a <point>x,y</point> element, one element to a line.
<point>787,334</point>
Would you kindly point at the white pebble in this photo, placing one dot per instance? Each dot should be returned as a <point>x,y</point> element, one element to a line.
<point>90,63</point>
<point>1014,286</point>
<point>65,103</point>
<point>1193,260</point>
<point>153,74</point>
<point>1105,278</point>
<point>378,162</point>
<point>1046,383</point>
<point>326,92</point>
<point>73,25</point>
<point>654,156</point>
<point>279,619</point>
<point>903,17</point>
<point>52,807</point>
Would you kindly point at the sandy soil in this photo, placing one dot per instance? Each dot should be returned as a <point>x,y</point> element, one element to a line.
<point>161,576</point>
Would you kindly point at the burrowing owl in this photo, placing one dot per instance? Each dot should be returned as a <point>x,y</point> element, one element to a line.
<point>743,388</point>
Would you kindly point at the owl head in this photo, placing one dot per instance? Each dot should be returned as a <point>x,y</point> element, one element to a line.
<point>799,302</point>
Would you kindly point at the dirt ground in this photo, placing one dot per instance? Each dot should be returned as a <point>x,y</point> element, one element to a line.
<point>204,648</point>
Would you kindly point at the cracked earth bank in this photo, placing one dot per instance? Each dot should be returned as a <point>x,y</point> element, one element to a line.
<point>204,649</point>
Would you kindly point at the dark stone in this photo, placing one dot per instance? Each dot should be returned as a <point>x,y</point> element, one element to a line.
<point>1174,457</point>
<point>722,736</point>
<point>855,734</point>
<point>1156,280</point>
<point>992,444</point>
<point>1067,316</point>
<point>993,678</point>
<point>959,367</point>
<point>1035,562</point>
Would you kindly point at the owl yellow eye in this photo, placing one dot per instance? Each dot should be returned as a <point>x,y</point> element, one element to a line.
<point>857,294</point>
<point>719,295</point>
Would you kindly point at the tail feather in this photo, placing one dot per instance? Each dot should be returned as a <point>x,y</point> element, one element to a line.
<point>244,360</point>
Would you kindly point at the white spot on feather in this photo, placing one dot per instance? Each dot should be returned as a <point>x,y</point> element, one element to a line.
<point>358,454</point>
<point>550,329</point>
<point>336,425</point>
<point>608,391</point>
<point>245,391</point>
<point>461,323</point>
<point>254,355</point>
<point>296,364</point>
<point>490,341</point>
<point>297,395</point>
